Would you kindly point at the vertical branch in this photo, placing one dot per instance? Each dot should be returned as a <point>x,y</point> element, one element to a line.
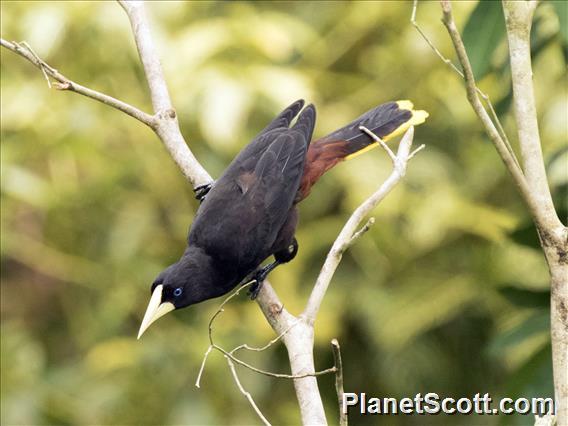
<point>167,127</point>
<point>148,55</point>
<point>339,381</point>
<point>518,20</point>
<point>531,181</point>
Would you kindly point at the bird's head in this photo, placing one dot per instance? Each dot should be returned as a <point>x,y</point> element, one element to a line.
<point>169,292</point>
<point>184,283</point>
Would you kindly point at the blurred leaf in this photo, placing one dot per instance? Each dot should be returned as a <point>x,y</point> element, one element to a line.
<point>534,377</point>
<point>561,8</point>
<point>112,354</point>
<point>483,31</point>
<point>526,298</point>
<point>504,104</point>
<point>417,308</point>
<point>537,323</point>
<point>526,235</point>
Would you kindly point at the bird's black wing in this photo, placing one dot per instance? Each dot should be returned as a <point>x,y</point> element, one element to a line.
<point>242,215</point>
<point>258,145</point>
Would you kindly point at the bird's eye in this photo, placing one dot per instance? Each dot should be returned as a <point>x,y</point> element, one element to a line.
<point>178,291</point>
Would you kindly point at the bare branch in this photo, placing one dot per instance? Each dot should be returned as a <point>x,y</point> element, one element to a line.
<point>380,141</point>
<point>345,236</point>
<point>484,96</point>
<point>416,151</point>
<point>167,126</point>
<point>299,342</point>
<point>540,217</point>
<point>231,355</point>
<point>269,344</point>
<point>361,231</point>
<point>518,19</point>
<point>339,380</point>
<point>532,182</point>
<point>148,55</point>
<point>205,357</point>
<point>247,395</point>
<point>26,52</point>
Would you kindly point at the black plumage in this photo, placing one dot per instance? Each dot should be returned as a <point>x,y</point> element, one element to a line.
<point>250,214</point>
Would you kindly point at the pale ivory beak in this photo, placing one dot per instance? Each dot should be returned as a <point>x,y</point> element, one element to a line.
<point>155,309</point>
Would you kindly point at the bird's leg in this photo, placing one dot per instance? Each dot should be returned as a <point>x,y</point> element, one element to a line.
<point>282,256</point>
<point>202,190</point>
<point>259,276</point>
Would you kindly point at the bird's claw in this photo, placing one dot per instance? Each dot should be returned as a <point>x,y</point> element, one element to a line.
<point>258,277</point>
<point>201,191</point>
<point>255,289</point>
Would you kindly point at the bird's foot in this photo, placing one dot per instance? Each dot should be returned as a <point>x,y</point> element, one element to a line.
<point>201,191</point>
<point>259,276</point>
<point>255,289</point>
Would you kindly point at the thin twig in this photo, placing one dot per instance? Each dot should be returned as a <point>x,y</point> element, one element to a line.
<point>269,344</point>
<point>230,354</point>
<point>271,374</point>
<point>416,151</point>
<point>380,141</point>
<point>483,95</point>
<point>207,352</point>
<point>37,58</point>
<point>247,394</point>
<point>361,231</point>
<point>26,52</point>
<point>221,307</point>
<point>339,380</point>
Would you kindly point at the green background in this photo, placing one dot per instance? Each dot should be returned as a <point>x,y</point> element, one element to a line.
<point>447,293</point>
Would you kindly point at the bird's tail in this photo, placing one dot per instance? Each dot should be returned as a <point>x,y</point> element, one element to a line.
<point>386,121</point>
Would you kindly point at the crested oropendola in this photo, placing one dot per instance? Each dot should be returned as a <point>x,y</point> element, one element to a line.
<point>250,214</point>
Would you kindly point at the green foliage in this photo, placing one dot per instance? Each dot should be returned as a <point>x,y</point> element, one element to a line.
<point>561,8</point>
<point>483,32</point>
<point>446,293</point>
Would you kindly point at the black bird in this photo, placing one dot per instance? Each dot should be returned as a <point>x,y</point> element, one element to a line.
<point>250,214</point>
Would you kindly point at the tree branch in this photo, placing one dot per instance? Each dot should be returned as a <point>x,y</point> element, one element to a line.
<point>247,394</point>
<point>148,55</point>
<point>345,237</point>
<point>231,356</point>
<point>64,83</point>
<point>339,381</point>
<point>454,68</point>
<point>167,126</point>
<point>532,183</point>
<point>542,220</point>
<point>518,20</point>
<point>231,359</point>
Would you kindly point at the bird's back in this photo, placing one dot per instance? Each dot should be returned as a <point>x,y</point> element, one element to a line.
<point>247,206</point>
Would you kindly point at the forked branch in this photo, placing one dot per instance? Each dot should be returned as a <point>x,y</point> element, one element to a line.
<point>349,231</point>
<point>541,218</point>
